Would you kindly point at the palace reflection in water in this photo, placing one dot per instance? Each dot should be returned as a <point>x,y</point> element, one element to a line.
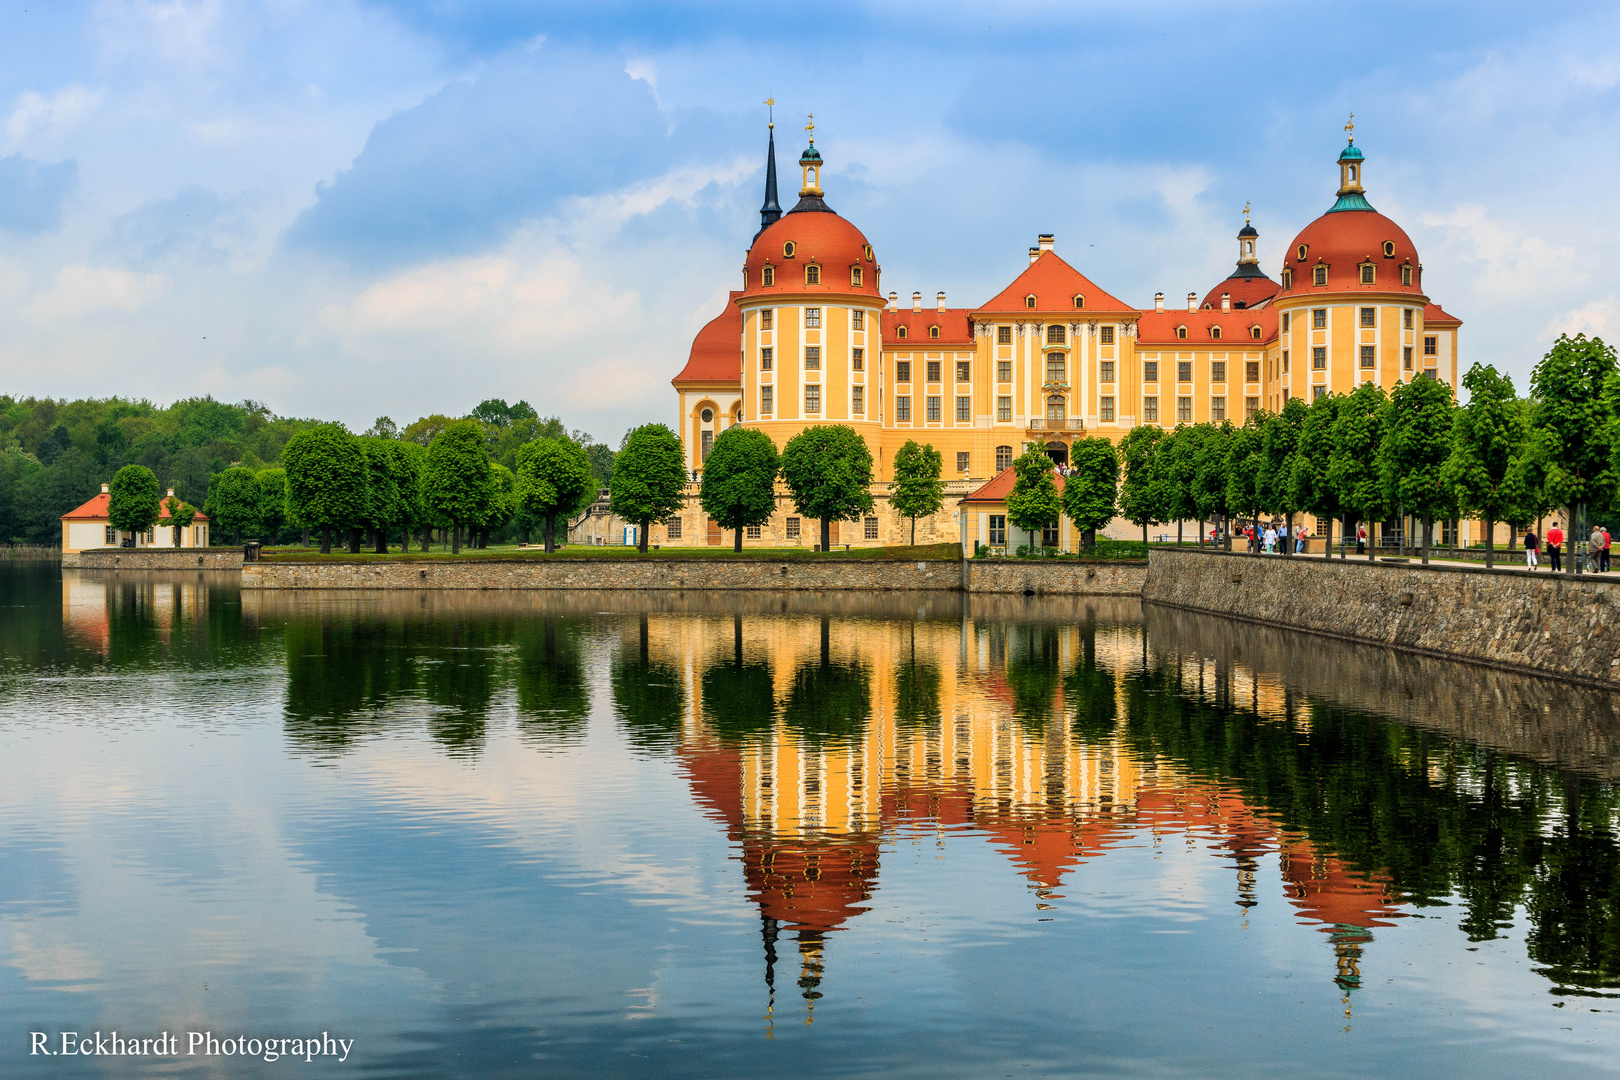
<point>1357,786</point>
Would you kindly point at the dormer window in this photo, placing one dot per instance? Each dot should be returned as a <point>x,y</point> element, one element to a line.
<point>1303,249</point>
<point>1319,275</point>
<point>788,249</point>
<point>1254,332</point>
<point>812,275</point>
<point>1288,279</point>
<point>768,276</point>
<point>1389,249</point>
<point>1029,301</point>
<point>1406,274</point>
<point>1181,332</point>
<point>1079,302</point>
<point>1215,332</point>
<point>933,331</point>
<point>866,252</point>
<point>1367,273</point>
<point>856,276</point>
<point>899,331</point>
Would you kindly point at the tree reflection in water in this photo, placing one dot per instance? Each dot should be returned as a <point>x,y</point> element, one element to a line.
<point>828,699</point>
<point>738,694</point>
<point>553,689</point>
<point>648,698</point>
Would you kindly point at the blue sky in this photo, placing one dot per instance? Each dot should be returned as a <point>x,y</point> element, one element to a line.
<point>352,209</point>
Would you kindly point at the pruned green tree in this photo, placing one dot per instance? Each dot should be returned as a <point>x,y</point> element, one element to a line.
<point>1245,457</point>
<point>828,470</point>
<point>272,502</point>
<point>739,480</point>
<point>1090,492</point>
<point>457,479</point>
<point>410,465</point>
<point>134,502</point>
<point>553,479</point>
<point>326,479</point>
<point>1279,443</point>
<point>648,478</point>
<point>1310,486</point>
<point>1210,445</point>
<point>502,502</point>
<point>1572,443</point>
<point>918,490</point>
<point>1176,473</point>
<point>180,514</point>
<point>385,506</point>
<point>1358,430</point>
<point>1033,504</point>
<point>1141,496</point>
<point>233,501</point>
<point>1413,451</point>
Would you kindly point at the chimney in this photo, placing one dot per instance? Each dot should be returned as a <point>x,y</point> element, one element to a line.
<point>1158,301</point>
<point>1034,253</point>
<point>916,302</point>
<point>1226,301</point>
<point>104,489</point>
<point>894,299</point>
<point>1192,301</point>
<point>1045,241</point>
<point>940,297</point>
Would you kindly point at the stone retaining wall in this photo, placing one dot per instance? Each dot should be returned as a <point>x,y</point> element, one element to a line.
<point>1538,621</point>
<point>1054,578</point>
<point>156,559</point>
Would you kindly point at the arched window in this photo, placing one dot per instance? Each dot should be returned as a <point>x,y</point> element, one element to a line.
<point>1079,301</point>
<point>1029,301</point>
<point>1319,275</point>
<point>1352,174</point>
<point>1215,332</point>
<point>1181,332</point>
<point>900,331</point>
<point>768,276</point>
<point>812,275</point>
<point>1248,247</point>
<point>1254,332</point>
<point>856,276</point>
<point>1288,279</point>
<point>1056,334</point>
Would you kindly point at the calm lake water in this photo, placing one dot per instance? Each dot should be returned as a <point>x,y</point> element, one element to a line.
<point>758,836</point>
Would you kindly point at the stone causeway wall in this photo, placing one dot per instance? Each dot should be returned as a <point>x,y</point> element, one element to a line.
<point>156,559</point>
<point>1544,622</point>
<point>1054,578</point>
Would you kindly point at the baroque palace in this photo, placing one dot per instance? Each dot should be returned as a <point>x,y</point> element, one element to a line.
<point>810,338</point>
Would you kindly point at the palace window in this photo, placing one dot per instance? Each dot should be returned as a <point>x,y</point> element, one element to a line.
<point>765,357</point>
<point>1150,371</point>
<point>1285,321</point>
<point>1217,371</point>
<point>1254,332</point>
<point>1183,410</point>
<point>857,318</point>
<point>1107,335</point>
<point>792,528</point>
<point>1317,391</point>
<point>961,461</point>
<point>1056,334</point>
<point>855,275</point>
<point>1056,367</point>
<point>964,410</point>
<point>1003,335</point>
<point>902,371</point>
<point>1319,357</point>
<point>1406,318</point>
<point>1105,409</point>
<point>1431,345</point>
<point>1285,361</point>
<point>812,358</point>
<point>857,359</point>
<point>962,371</point>
<point>933,371</point>
<point>1217,410</point>
<point>1003,371</point>
<point>1367,356</point>
<point>1319,318</point>
<point>1150,410</point>
<point>788,249</point>
<point>1406,357</point>
<point>812,398</point>
<point>1003,458</point>
<point>1389,249</point>
<point>998,529</point>
<point>1079,301</point>
<point>1303,248</point>
<point>902,408</point>
<point>1106,371</point>
<point>707,416</point>
<point>933,332</point>
<point>1319,275</point>
<point>707,443</point>
<point>767,399</point>
<point>900,331</point>
<point>1250,407</point>
<point>1406,275</point>
<point>1049,535</point>
<point>1288,279</point>
<point>767,318</point>
<point>857,399</point>
<point>1184,371</point>
<point>767,276</point>
<point>753,532</point>
<point>672,529</point>
<point>1252,370</point>
<point>812,275</point>
<point>869,529</point>
<point>110,538</point>
<point>1003,409</point>
<point>1215,332</point>
<point>1056,409</point>
<point>933,409</point>
<point>866,252</point>
<point>1367,272</point>
<point>1029,301</point>
<point>1369,316</point>
<point>1181,332</point>
<point>812,318</point>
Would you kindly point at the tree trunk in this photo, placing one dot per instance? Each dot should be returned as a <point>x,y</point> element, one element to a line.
<point>826,534</point>
<point>1088,539</point>
<point>1180,527</point>
<point>326,541</point>
<point>1288,541</point>
<point>914,532</point>
<point>455,538</point>
<point>1144,534</point>
<point>1490,543</point>
<point>1428,524</point>
<point>1327,543</point>
<point>646,527</point>
<point>551,533</point>
<point>382,541</point>
<point>1573,539</point>
<point>306,536</point>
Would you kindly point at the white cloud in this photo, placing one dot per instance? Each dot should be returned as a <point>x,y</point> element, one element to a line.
<point>1600,318</point>
<point>1507,260</point>
<point>35,112</point>
<point>80,289</point>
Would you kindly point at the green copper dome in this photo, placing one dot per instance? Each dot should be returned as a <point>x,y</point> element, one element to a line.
<point>1352,200</point>
<point>1351,153</point>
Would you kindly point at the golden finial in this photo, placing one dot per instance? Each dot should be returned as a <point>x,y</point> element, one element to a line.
<point>811,128</point>
<point>770,103</point>
<point>1245,211</point>
<point>1351,128</point>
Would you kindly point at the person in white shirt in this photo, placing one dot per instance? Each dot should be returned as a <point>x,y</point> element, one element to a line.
<point>1271,539</point>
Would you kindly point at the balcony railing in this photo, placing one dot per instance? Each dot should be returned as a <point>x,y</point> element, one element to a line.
<point>1072,425</point>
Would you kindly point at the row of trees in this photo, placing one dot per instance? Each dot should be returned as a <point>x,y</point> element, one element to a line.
<point>1368,455</point>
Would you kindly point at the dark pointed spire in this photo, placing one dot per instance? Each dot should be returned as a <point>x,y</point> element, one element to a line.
<point>772,210</point>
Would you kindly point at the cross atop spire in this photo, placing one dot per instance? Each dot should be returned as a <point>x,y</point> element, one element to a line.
<point>1245,211</point>
<point>811,128</point>
<point>1351,128</point>
<point>771,210</point>
<point>770,104</point>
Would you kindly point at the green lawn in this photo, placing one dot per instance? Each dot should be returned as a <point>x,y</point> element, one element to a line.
<point>922,552</point>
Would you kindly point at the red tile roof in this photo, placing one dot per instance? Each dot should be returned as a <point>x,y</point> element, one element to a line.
<point>717,350</point>
<point>1159,328</point>
<point>1433,316</point>
<point>824,239</point>
<point>1054,284</point>
<point>999,486</point>
<point>953,323</point>
<point>96,510</point>
<point>1344,240</point>
<point>1247,291</point>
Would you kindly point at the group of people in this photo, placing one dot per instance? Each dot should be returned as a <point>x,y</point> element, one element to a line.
<point>1597,552</point>
<point>1271,538</point>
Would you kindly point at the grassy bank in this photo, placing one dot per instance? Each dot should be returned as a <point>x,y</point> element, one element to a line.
<point>919,553</point>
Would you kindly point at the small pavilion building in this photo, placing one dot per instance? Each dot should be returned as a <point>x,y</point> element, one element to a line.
<point>88,528</point>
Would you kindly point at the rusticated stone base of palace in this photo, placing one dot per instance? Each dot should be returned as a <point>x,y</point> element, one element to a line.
<point>156,559</point>
<point>1543,622</point>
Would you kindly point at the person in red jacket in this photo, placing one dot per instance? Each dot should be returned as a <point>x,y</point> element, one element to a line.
<point>1603,556</point>
<point>1555,540</point>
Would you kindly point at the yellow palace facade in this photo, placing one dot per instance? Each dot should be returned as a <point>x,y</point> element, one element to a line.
<point>810,338</point>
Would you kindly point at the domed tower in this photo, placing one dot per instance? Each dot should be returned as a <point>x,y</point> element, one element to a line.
<point>810,312</point>
<point>1247,286</point>
<point>1351,303</point>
